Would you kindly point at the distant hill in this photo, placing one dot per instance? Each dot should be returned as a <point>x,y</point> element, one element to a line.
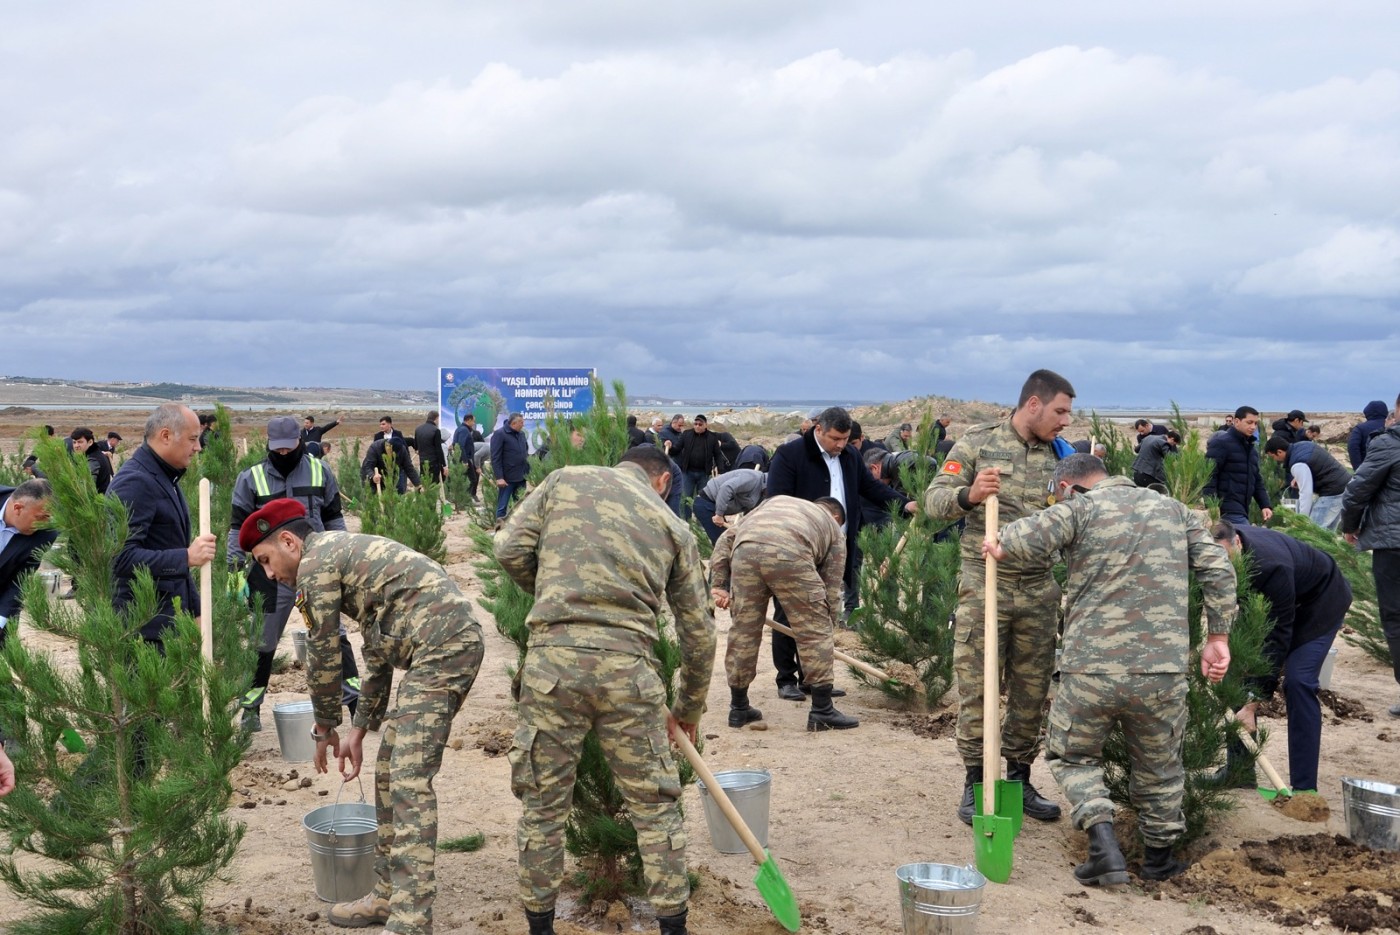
<point>48,391</point>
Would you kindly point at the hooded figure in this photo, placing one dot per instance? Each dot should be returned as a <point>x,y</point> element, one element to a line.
<point>1361,435</point>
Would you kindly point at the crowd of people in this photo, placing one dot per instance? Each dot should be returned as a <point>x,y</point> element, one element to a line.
<point>604,549</point>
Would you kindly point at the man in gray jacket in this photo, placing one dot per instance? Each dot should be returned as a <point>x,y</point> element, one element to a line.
<point>735,492</point>
<point>1371,520</point>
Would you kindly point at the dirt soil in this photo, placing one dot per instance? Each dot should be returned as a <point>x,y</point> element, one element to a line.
<point>847,809</point>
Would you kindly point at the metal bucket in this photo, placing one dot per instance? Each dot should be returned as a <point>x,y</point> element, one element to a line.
<point>294,720</point>
<point>748,789</point>
<point>1373,813</point>
<point>53,580</point>
<point>939,899</point>
<point>1324,675</point>
<point>342,840</point>
<point>299,645</point>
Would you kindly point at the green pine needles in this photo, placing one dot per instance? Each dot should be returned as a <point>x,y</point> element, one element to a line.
<point>133,832</point>
<point>413,518</point>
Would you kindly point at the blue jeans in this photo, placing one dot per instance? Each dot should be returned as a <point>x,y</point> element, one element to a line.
<point>692,482</point>
<point>1300,671</point>
<point>704,509</point>
<point>506,494</point>
<point>1326,511</point>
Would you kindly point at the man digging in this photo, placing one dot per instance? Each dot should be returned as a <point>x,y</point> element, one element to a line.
<point>413,618</point>
<point>1127,647</point>
<point>795,551</point>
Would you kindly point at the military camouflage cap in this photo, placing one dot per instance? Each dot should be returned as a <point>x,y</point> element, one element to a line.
<point>264,522</point>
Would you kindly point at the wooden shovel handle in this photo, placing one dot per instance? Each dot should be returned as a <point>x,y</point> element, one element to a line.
<point>1259,756</point>
<point>898,548</point>
<point>991,674</point>
<point>713,788</point>
<point>206,578</point>
<point>852,661</point>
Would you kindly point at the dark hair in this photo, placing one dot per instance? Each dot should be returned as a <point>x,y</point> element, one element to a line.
<point>83,433</point>
<point>1275,444</point>
<point>300,527</point>
<point>1243,411</point>
<point>513,416</point>
<point>1174,435</point>
<point>649,458</point>
<point>1044,385</point>
<point>389,419</point>
<point>207,418</point>
<point>1140,423</point>
<point>856,433</point>
<point>311,419</point>
<point>33,489</point>
<point>834,419</point>
<point>432,415</point>
<point>114,435</point>
<point>48,429</point>
<point>832,506</point>
<point>469,417</point>
<point>631,422</point>
<point>1223,531</point>
<point>1077,467</point>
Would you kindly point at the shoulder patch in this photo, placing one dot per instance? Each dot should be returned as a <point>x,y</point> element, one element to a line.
<point>952,467</point>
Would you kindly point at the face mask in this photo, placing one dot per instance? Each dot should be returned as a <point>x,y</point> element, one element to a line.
<point>287,463</point>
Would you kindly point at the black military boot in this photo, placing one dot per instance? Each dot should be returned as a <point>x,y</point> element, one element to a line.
<point>1238,771</point>
<point>1032,802</point>
<point>740,712</point>
<point>824,715</point>
<point>673,925</point>
<point>1106,865</point>
<point>968,805</point>
<point>541,923</point>
<point>1159,864</point>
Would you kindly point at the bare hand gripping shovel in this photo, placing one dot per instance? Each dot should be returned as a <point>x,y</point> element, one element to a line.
<point>998,815</point>
<point>771,885</point>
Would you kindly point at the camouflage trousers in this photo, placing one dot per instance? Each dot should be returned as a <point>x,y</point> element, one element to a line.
<point>1028,610</point>
<point>565,693</point>
<point>757,575</point>
<point>1152,712</point>
<point>410,754</point>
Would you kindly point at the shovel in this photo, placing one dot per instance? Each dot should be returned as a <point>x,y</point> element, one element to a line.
<point>206,587</point>
<point>998,815</point>
<point>771,885</point>
<point>852,661</point>
<point>1279,788</point>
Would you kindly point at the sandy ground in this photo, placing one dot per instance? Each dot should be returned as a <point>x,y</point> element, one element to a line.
<point>847,809</point>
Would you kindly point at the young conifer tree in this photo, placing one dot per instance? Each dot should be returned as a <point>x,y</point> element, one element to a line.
<point>598,833</point>
<point>413,518</point>
<point>136,831</point>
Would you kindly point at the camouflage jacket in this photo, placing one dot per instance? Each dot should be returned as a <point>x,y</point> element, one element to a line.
<point>1026,469</point>
<point>601,552</point>
<point>403,601</point>
<point>1129,550</point>
<point>786,529</point>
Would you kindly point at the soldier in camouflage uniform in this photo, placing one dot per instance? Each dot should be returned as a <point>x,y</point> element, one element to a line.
<point>1013,459</point>
<point>413,618</point>
<point>602,554</point>
<point>792,550</point>
<point>1126,650</point>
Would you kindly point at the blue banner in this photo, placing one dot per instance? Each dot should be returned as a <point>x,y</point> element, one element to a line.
<point>493,394</point>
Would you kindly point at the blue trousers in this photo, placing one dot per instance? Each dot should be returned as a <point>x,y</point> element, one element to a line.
<point>692,482</point>
<point>1301,668</point>
<point>704,509</point>
<point>506,494</point>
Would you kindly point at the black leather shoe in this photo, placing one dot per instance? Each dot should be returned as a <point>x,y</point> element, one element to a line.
<point>740,711</point>
<point>673,925</point>
<point>1159,864</point>
<point>835,692</point>
<point>1106,865</point>
<point>824,715</point>
<point>791,693</point>
<point>1033,803</point>
<point>541,923</point>
<point>969,802</point>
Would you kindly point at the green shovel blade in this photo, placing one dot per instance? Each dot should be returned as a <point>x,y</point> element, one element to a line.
<point>1271,794</point>
<point>1010,803</point>
<point>777,894</point>
<point>72,742</point>
<point>991,844</point>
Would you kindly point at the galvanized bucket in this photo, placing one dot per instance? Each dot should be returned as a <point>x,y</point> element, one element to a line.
<point>342,840</point>
<point>748,789</point>
<point>1373,813</point>
<point>294,720</point>
<point>939,899</point>
<point>1324,675</point>
<point>299,645</point>
<point>53,580</point>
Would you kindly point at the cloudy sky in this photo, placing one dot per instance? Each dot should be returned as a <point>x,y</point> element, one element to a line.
<point>786,198</point>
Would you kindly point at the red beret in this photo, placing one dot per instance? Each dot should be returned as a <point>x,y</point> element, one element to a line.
<point>268,520</point>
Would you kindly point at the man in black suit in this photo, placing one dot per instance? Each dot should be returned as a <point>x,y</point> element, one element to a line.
<point>386,428</point>
<point>820,463</point>
<point>159,537</point>
<point>427,438</point>
<point>99,465</point>
<point>22,543</point>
